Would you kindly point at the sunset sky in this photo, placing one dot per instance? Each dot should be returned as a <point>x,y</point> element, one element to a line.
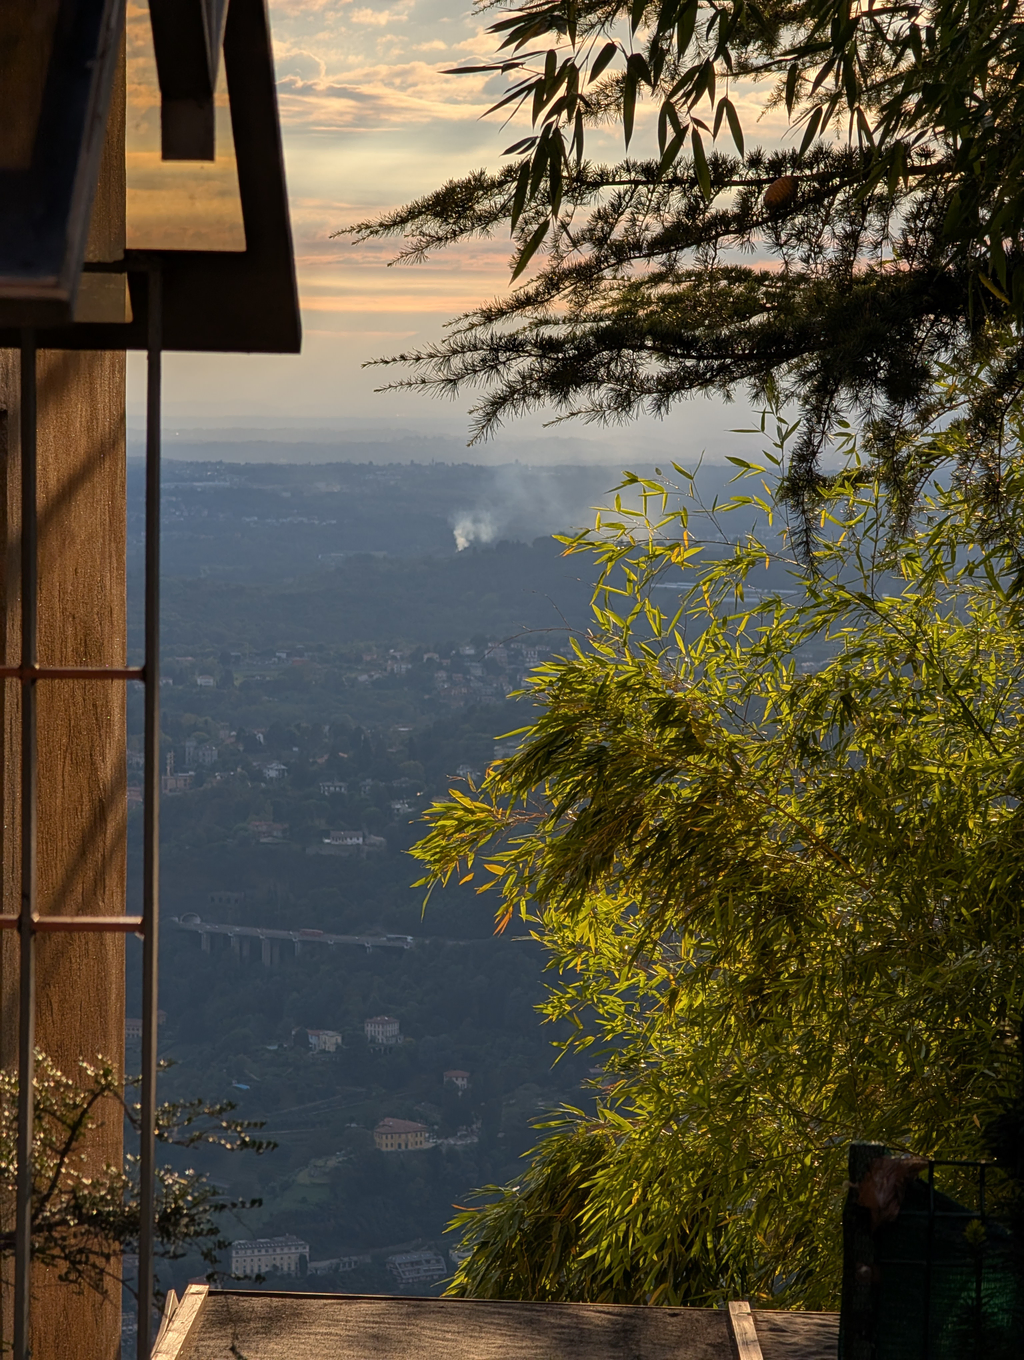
<point>370,122</point>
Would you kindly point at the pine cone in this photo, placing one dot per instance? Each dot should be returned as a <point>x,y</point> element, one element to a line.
<point>779,195</point>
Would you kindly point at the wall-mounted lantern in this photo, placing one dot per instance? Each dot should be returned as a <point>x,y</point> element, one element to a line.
<point>57,65</point>
<point>55,82</point>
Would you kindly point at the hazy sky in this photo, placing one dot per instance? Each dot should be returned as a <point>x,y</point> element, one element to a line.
<point>370,122</point>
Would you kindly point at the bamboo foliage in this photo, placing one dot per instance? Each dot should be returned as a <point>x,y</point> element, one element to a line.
<point>782,903</point>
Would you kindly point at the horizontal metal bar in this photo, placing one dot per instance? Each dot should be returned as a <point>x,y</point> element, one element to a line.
<point>70,925</point>
<point>933,1265</point>
<point>942,1213</point>
<point>935,1161</point>
<point>72,672</point>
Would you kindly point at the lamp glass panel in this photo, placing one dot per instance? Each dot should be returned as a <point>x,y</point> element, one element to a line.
<point>175,205</point>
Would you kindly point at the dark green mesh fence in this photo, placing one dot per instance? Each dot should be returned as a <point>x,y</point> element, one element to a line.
<point>927,1276</point>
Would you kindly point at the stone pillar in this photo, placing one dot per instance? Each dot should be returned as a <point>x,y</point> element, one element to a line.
<point>82,783</point>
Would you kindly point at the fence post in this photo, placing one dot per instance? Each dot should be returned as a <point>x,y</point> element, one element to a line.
<point>857,1318</point>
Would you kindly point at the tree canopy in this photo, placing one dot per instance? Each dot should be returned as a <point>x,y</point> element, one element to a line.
<point>772,843</point>
<point>840,270</point>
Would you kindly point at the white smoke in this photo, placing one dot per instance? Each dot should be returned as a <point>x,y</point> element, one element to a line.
<point>475,526</point>
<point>522,503</point>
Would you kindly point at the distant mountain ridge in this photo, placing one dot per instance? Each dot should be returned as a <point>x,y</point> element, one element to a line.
<point>379,445</point>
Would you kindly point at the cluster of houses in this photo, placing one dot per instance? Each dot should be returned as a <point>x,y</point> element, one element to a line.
<point>486,675</point>
<point>459,677</point>
<point>348,843</point>
<point>265,832</point>
<point>200,750</point>
<point>405,1135</point>
<point>286,1255</point>
<point>467,678</point>
<point>382,1032</point>
<point>474,675</point>
<point>289,1255</point>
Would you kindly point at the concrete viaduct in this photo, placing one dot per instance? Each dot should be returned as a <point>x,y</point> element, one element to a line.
<point>241,937</point>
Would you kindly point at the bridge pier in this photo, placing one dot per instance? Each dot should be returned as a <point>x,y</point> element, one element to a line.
<point>265,952</point>
<point>236,947</point>
<point>245,948</point>
<point>205,938</point>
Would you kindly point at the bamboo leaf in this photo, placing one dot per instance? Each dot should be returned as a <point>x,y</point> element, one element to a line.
<point>685,26</point>
<point>792,75</point>
<point>530,248</point>
<point>671,152</point>
<point>700,164</point>
<point>606,54</point>
<point>522,188</point>
<point>628,104</point>
<point>734,125</point>
<point>811,131</point>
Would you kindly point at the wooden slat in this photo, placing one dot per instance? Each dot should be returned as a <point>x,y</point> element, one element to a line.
<point>744,1332</point>
<point>796,1336</point>
<point>173,1340</point>
<point>280,1326</point>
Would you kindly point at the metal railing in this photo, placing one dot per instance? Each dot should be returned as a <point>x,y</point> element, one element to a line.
<point>941,1280</point>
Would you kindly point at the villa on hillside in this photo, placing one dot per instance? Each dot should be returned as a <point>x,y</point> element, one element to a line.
<point>417,1267</point>
<point>133,1026</point>
<point>287,1255</point>
<point>400,1135</point>
<point>347,843</point>
<point>323,1040</point>
<point>268,832</point>
<point>382,1031</point>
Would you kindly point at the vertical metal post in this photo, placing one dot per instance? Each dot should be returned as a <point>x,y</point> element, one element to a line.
<point>151,824</point>
<point>26,918</point>
<point>926,1298</point>
<point>979,1262</point>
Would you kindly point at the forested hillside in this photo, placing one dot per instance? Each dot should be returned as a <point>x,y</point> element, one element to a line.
<point>310,698</point>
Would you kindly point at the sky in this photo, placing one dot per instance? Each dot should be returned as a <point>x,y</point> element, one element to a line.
<point>369,122</point>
